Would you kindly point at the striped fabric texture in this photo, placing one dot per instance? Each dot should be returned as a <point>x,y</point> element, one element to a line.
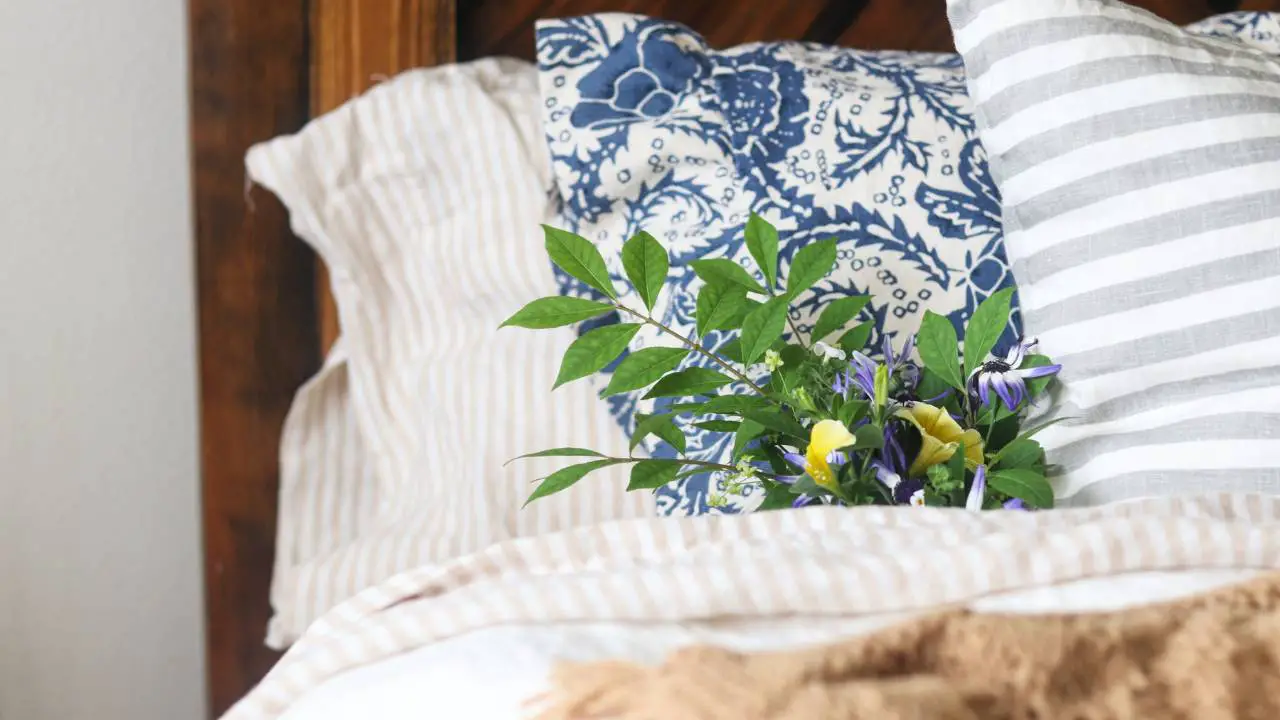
<point>1139,166</point>
<point>814,563</point>
<point>424,198</point>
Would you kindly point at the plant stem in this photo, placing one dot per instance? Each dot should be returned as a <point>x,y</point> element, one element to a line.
<point>795,331</point>
<point>687,461</point>
<point>695,347</point>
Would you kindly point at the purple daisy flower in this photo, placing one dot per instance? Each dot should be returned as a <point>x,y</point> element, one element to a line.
<point>1006,377</point>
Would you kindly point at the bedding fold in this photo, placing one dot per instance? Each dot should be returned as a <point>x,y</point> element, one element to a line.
<point>816,562</point>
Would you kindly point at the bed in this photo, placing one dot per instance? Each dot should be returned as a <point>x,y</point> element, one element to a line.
<point>266,315</point>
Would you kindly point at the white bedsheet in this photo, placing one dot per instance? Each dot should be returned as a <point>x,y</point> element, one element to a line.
<point>488,674</point>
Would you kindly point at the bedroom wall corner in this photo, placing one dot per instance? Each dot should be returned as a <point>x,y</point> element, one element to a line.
<point>100,572</point>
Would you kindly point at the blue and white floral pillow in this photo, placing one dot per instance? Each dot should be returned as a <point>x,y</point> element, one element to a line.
<point>651,129</point>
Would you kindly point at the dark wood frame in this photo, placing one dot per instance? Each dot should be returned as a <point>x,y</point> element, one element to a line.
<point>261,68</point>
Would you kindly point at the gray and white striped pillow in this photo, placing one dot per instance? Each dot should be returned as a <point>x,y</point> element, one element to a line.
<point>1139,165</point>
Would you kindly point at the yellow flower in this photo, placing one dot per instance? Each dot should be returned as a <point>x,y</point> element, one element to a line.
<point>940,434</point>
<point>826,437</point>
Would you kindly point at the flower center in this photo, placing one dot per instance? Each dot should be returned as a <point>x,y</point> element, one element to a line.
<point>996,366</point>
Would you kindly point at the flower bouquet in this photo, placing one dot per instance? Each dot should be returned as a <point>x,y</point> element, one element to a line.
<point>816,418</point>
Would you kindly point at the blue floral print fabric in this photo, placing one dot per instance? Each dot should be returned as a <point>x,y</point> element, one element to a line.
<point>649,129</point>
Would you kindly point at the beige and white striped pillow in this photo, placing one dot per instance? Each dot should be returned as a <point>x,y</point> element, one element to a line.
<point>424,198</point>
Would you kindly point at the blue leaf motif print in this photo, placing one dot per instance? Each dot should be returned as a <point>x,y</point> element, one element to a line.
<point>1262,28</point>
<point>763,101</point>
<point>876,149</point>
<point>973,211</point>
<point>573,42</point>
<point>643,77</point>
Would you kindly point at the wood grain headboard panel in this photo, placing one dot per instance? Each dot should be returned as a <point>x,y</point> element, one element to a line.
<point>261,68</point>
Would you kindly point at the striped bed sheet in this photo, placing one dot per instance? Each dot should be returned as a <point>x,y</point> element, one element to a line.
<point>820,563</point>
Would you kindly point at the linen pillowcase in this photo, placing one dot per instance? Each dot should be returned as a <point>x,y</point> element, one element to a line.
<point>424,197</point>
<point>1140,171</point>
<point>651,129</point>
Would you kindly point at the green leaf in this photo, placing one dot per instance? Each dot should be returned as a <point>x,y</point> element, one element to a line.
<point>748,430</point>
<point>721,271</point>
<point>939,348</point>
<point>868,437</point>
<point>718,306</point>
<point>931,386</point>
<point>690,381</point>
<point>731,350</point>
<point>1037,386</point>
<point>1022,453</point>
<point>557,452</point>
<point>748,306</point>
<point>939,475</point>
<point>652,474</point>
<point>856,339</point>
<point>564,478</point>
<point>556,311</point>
<point>671,434</point>
<point>762,243</point>
<point>593,350</point>
<point>956,465</point>
<point>576,255</point>
<point>777,421</point>
<point>693,473</point>
<point>723,426</point>
<point>837,314</point>
<point>1032,432</point>
<point>810,265</point>
<point>643,367</point>
<point>685,408</point>
<point>646,264</point>
<point>852,411</point>
<point>762,327</point>
<point>662,425</point>
<point>985,327</point>
<point>777,497</point>
<point>1029,485</point>
<point>734,404</point>
<point>1002,433</point>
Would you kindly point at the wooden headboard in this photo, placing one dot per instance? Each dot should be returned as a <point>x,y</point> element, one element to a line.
<point>261,68</point>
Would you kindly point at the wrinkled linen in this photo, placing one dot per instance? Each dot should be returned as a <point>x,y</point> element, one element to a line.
<point>820,562</point>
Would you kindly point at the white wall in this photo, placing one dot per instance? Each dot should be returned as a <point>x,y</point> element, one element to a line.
<point>100,600</point>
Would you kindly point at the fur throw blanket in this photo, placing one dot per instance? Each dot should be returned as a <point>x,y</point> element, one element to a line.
<point>1203,658</point>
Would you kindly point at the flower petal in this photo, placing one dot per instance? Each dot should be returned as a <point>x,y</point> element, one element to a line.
<point>1001,387</point>
<point>932,452</point>
<point>908,347</point>
<point>973,448</point>
<point>1015,504</point>
<point>908,489</point>
<point>978,492</point>
<point>1036,372</point>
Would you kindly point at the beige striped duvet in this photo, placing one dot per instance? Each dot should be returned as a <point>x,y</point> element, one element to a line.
<point>817,562</point>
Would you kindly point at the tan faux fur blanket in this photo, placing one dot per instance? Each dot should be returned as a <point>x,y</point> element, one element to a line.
<point>1203,658</point>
